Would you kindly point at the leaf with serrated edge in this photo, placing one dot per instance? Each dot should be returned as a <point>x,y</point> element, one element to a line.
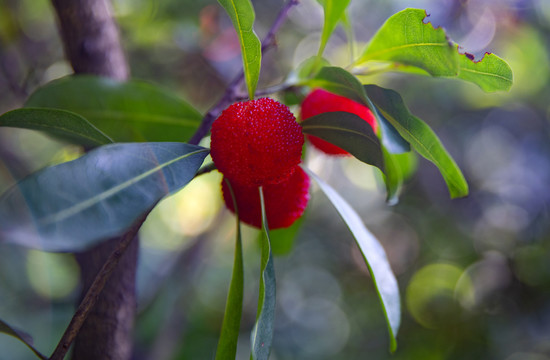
<point>420,136</point>
<point>491,73</point>
<point>132,111</point>
<point>349,132</point>
<point>62,124</point>
<point>242,15</point>
<point>72,206</point>
<point>21,336</point>
<point>262,333</point>
<point>405,38</point>
<point>227,345</point>
<point>375,258</point>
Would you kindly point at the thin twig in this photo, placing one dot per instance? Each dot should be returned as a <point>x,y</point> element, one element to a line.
<point>232,92</point>
<point>269,39</point>
<point>94,291</point>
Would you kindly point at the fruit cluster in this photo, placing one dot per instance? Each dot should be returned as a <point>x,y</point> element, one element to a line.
<point>259,143</point>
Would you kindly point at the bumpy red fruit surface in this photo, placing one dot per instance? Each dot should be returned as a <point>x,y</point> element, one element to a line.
<point>284,202</point>
<point>256,142</point>
<point>321,101</point>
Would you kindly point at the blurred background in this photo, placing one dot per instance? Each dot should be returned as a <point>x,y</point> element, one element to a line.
<point>474,273</point>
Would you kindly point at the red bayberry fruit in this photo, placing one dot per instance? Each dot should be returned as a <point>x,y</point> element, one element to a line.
<point>321,101</point>
<point>284,202</point>
<point>256,142</point>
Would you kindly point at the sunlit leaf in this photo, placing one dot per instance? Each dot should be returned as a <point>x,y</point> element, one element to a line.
<point>405,38</point>
<point>227,345</point>
<point>375,258</point>
<point>262,333</point>
<point>61,124</point>
<point>334,12</point>
<point>420,136</point>
<point>124,111</point>
<point>74,205</point>
<point>20,335</point>
<point>242,15</point>
<point>491,73</point>
<point>349,132</point>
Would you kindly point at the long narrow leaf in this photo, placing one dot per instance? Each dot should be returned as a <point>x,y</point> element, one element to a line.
<point>21,336</point>
<point>74,205</point>
<point>227,345</point>
<point>334,12</point>
<point>420,136</point>
<point>62,124</point>
<point>262,333</point>
<point>132,111</point>
<point>242,15</point>
<point>349,132</point>
<point>405,38</point>
<point>375,258</point>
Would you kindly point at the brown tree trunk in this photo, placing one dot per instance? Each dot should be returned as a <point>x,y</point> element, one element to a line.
<point>91,41</point>
<point>90,37</point>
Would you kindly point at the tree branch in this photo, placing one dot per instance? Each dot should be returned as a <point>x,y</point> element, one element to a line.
<point>92,295</point>
<point>90,38</point>
<point>232,92</point>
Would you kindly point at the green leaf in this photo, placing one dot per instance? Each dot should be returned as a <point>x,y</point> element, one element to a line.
<point>74,205</point>
<point>375,258</point>
<point>132,111</point>
<point>405,38</point>
<point>262,333</point>
<point>491,73</point>
<point>334,12</point>
<point>227,345</point>
<point>306,70</point>
<point>349,132</point>
<point>242,15</point>
<point>392,141</point>
<point>393,178</point>
<point>22,336</point>
<point>348,28</point>
<point>61,124</point>
<point>341,82</point>
<point>399,167</point>
<point>282,240</point>
<point>420,136</point>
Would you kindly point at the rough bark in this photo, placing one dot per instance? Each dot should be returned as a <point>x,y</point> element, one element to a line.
<point>91,37</point>
<point>91,42</point>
